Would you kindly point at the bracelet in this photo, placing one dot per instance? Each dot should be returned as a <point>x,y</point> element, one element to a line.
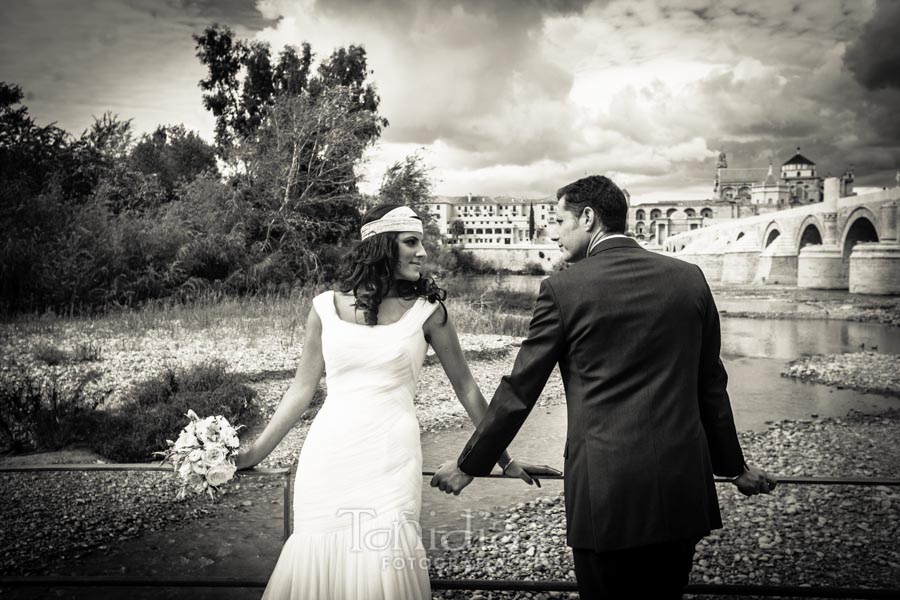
<point>506,466</point>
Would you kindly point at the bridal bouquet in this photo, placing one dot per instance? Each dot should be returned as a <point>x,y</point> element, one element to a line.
<point>203,454</point>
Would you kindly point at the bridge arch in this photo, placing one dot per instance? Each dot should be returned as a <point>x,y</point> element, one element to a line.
<point>809,232</point>
<point>773,230</point>
<point>860,227</point>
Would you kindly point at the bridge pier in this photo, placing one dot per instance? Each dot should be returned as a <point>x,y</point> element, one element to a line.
<point>875,268</point>
<point>740,262</point>
<point>778,263</point>
<point>821,267</point>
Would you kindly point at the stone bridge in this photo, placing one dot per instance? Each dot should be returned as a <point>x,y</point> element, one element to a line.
<point>839,243</point>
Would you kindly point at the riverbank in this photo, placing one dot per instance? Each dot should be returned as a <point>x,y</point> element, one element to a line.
<point>787,302</point>
<point>868,372</point>
<point>800,535</point>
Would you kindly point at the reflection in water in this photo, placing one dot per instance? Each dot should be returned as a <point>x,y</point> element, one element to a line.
<point>787,339</point>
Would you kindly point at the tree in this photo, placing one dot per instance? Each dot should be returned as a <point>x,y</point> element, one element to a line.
<point>303,166</point>
<point>242,85</point>
<point>294,140</point>
<point>30,156</point>
<point>409,182</point>
<point>531,223</point>
<point>223,56</point>
<point>174,156</point>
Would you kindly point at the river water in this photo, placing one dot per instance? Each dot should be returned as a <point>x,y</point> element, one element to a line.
<point>754,352</point>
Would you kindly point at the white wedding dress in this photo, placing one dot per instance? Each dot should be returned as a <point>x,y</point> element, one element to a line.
<point>358,491</point>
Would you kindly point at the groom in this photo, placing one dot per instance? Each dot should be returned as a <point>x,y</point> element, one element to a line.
<point>636,337</point>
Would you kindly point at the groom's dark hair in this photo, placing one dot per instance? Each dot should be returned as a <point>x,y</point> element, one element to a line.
<point>602,195</point>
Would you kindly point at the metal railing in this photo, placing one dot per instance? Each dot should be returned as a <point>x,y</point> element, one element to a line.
<point>437,584</point>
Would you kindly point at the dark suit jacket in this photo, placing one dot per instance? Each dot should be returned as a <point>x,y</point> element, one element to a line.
<point>636,336</point>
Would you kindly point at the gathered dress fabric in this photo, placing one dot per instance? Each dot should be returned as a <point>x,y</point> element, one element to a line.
<point>358,488</point>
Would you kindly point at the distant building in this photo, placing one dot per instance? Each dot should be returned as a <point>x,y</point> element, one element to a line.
<point>474,221</point>
<point>737,193</point>
<point>653,222</point>
<point>797,183</point>
<point>507,232</point>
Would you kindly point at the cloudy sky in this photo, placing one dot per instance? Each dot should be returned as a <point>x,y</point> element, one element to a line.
<point>515,97</point>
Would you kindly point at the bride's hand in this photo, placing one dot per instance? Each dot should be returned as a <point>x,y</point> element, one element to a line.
<point>242,461</point>
<point>528,473</point>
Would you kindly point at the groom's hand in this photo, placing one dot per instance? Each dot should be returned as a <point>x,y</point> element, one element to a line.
<point>755,481</point>
<point>529,473</point>
<point>450,479</point>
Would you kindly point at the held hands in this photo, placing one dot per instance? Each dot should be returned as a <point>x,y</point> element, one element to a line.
<point>451,480</point>
<point>755,481</point>
<point>528,473</point>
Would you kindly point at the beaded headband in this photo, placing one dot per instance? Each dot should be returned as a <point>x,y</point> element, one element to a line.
<point>402,218</point>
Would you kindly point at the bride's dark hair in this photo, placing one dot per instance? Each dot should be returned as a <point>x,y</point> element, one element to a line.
<point>369,272</point>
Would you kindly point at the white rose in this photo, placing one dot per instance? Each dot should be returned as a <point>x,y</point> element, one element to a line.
<point>195,455</point>
<point>220,474</point>
<point>199,467</point>
<point>214,455</point>
<point>186,438</point>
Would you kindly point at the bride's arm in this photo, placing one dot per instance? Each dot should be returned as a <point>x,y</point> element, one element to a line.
<point>443,338</point>
<point>295,400</point>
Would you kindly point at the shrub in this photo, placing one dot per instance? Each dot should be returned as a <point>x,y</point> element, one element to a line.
<point>43,413</point>
<point>87,352</point>
<point>155,410</point>
<point>532,268</point>
<point>49,354</point>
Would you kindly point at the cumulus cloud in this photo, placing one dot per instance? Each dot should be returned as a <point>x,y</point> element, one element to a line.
<point>874,57</point>
<point>513,97</point>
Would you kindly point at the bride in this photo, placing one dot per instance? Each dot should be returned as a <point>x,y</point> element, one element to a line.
<point>359,475</point>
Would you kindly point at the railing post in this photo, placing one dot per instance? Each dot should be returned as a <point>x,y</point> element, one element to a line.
<point>288,502</point>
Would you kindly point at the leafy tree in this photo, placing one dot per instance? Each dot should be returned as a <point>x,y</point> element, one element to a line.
<point>531,222</point>
<point>223,57</point>
<point>174,156</point>
<point>409,182</point>
<point>30,156</point>
<point>303,163</point>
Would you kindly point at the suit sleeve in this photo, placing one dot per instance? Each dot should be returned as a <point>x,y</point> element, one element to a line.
<point>518,391</point>
<point>715,406</point>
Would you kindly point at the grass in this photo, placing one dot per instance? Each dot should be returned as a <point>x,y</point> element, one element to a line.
<point>49,354</point>
<point>41,412</point>
<point>479,306</point>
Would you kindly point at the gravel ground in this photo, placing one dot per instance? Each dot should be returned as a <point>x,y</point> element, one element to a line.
<point>51,518</point>
<point>72,519</point>
<point>836,535</point>
<point>864,371</point>
<point>800,535</point>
